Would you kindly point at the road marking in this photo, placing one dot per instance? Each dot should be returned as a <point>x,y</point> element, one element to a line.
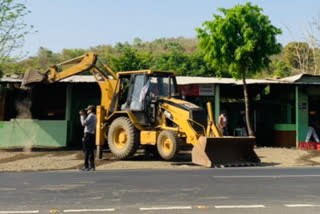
<point>202,207</point>
<point>165,208</point>
<point>239,206</point>
<point>266,176</point>
<point>8,189</point>
<point>13,212</point>
<point>301,205</point>
<point>89,210</point>
<point>218,197</point>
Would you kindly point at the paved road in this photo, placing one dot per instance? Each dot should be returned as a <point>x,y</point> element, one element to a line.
<point>229,190</point>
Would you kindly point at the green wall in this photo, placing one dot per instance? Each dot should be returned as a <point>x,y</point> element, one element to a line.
<point>301,114</point>
<point>29,132</point>
<point>284,127</point>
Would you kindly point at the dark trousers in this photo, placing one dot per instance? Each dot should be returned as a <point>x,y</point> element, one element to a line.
<point>88,142</point>
<point>225,131</point>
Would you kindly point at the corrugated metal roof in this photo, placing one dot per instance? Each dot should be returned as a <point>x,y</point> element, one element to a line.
<point>303,79</point>
<point>293,78</point>
<point>185,80</point>
<point>10,79</point>
<point>72,79</point>
<point>80,79</point>
<point>182,80</point>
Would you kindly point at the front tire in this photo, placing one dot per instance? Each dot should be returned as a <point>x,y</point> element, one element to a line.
<point>168,145</point>
<point>123,138</point>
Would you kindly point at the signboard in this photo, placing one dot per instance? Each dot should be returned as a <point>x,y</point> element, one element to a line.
<point>189,90</point>
<point>206,90</point>
<point>196,90</point>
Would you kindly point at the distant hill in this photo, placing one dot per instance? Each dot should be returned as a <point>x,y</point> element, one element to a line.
<point>180,55</point>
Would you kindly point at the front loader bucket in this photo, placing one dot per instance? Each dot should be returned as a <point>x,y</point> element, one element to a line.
<point>32,77</point>
<point>223,150</point>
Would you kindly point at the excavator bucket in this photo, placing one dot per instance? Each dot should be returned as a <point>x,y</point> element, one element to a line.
<point>32,77</point>
<point>211,151</point>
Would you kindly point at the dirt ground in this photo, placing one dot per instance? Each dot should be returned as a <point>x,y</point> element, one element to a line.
<point>47,160</point>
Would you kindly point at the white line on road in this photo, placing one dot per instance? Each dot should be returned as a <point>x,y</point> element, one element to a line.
<point>266,176</point>
<point>301,205</point>
<point>239,206</point>
<point>165,208</point>
<point>218,197</point>
<point>89,210</point>
<point>13,212</point>
<point>8,189</point>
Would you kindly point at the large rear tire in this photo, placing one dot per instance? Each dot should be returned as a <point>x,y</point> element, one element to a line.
<point>168,145</point>
<point>123,138</point>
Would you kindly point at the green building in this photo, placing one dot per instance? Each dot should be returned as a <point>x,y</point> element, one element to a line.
<point>279,108</point>
<point>53,108</point>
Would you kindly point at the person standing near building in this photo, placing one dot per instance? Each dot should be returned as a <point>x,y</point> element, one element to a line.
<point>311,128</point>
<point>88,141</point>
<point>223,123</point>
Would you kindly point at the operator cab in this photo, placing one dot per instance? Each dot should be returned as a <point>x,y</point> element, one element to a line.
<point>140,91</point>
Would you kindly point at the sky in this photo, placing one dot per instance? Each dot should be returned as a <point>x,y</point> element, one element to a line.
<point>87,23</point>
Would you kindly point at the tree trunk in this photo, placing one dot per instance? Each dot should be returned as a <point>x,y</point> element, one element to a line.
<point>246,100</point>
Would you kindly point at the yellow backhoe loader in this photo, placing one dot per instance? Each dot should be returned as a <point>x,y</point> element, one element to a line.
<point>142,108</point>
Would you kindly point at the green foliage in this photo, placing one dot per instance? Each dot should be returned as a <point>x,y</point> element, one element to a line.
<point>12,32</point>
<point>192,64</point>
<point>9,66</point>
<point>12,28</point>
<point>129,60</point>
<point>180,55</point>
<point>298,55</point>
<point>72,53</point>
<point>241,40</point>
<point>173,61</point>
<point>281,69</point>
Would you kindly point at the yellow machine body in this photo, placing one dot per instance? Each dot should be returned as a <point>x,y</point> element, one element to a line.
<point>148,137</point>
<point>164,122</point>
<point>209,146</point>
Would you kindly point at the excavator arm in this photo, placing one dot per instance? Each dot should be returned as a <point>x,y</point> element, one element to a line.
<point>105,77</point>
<point>80,64</point>
<point>103,74</point>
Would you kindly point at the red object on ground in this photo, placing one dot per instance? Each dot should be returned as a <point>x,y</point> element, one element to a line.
<point>309,145</point>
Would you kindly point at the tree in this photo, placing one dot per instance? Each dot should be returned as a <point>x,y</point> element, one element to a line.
<point>10,66</point>
<point>129,60</point>
<point>312,33</point>
<point>72,53</point>
<point>281,69</point>
<point>299,55</point>
<point>239,41</point>
<point>12,28</point>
